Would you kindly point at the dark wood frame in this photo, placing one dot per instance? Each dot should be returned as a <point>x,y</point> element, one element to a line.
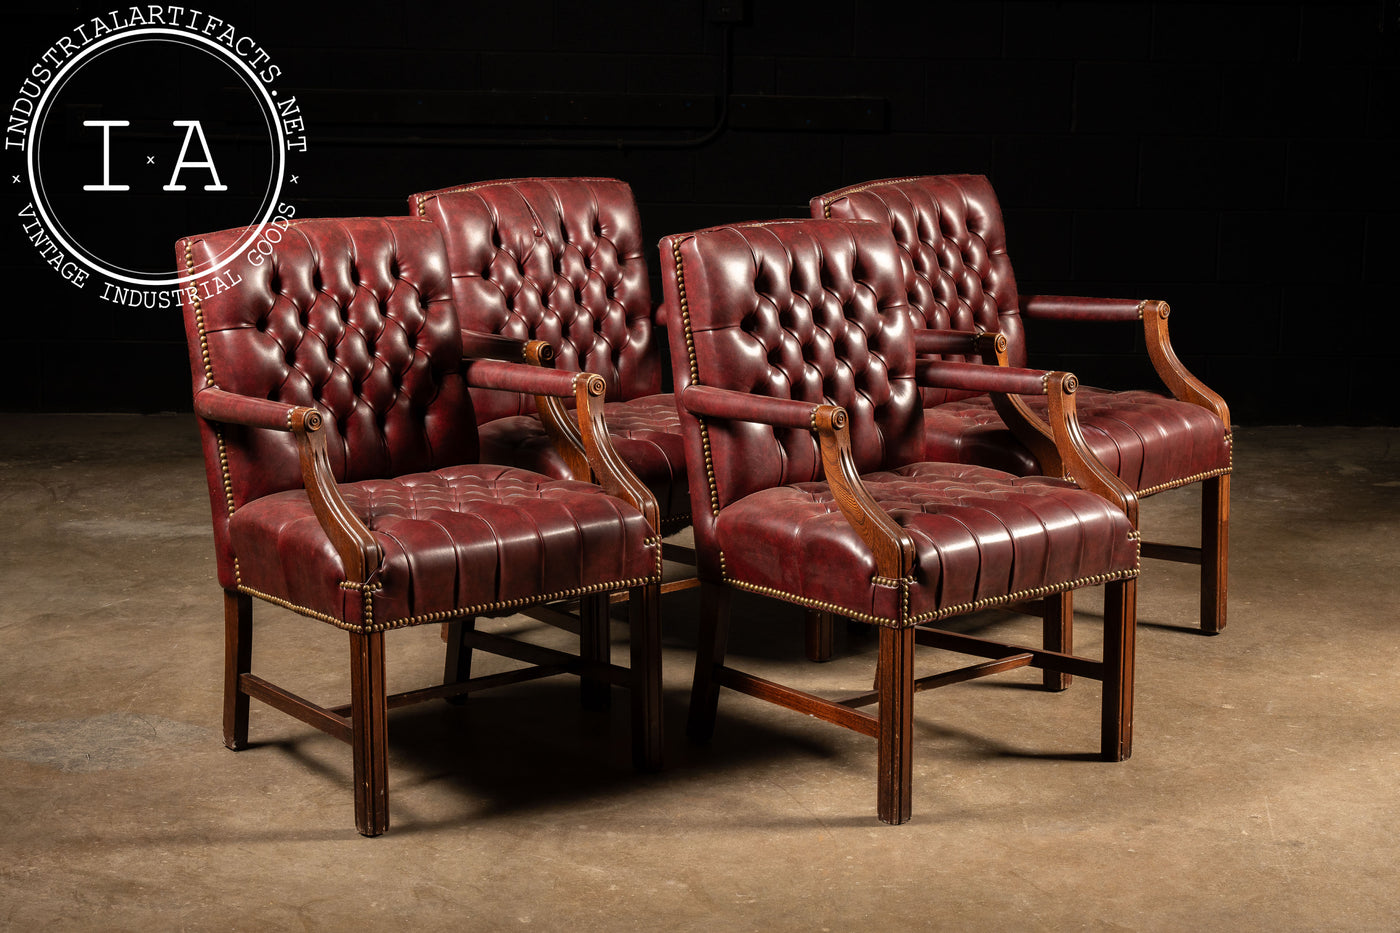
<point>893,550</point>
<point>362,723</point>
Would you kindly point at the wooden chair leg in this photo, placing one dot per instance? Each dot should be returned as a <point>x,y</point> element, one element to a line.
<point>644,616</point>
<point>238,660</point>
<point>369,732</point>
<point>1058,627</point>
<point>457,665</point>
<point>820,635</point>
<point>1215,552</point>
<point>595,644</point>
<point>1120,636</point>
<point>709,655</point>
<point>896,688</point>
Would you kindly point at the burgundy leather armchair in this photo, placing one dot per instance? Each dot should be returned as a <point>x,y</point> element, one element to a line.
<point>951,228</point>
<point>560,260</point>
<point>796,370</point>
<point>342,456</point>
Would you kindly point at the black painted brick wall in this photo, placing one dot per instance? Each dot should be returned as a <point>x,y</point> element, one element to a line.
<point>1237,159</point>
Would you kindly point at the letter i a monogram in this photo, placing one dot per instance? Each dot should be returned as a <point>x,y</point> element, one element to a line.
<point>106,155</point>
<point>192,129</point>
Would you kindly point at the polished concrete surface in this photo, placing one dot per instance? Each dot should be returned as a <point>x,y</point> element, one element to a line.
<point>1263,792</point>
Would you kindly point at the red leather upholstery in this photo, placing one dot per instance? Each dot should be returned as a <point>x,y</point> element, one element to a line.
<point>837,509</point>
<point>816,311</point>
<point>560,260</point>
<point>980,535</point>
<point>455,540</point>
<point>951,229</point>
<point>342,456</point>
<point>354,318</point>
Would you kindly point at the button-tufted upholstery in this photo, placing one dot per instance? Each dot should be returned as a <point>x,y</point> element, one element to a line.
<point>342,455</point>
<point>773,324</point>
<point>960,278</point>
<point>560,260</point>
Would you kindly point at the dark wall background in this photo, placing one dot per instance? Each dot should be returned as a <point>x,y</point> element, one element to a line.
<point>1237,159</point>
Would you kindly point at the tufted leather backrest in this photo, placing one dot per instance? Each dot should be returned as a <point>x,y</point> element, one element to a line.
<point>553,259</point>
<point>351,316</point>
<point>952,231</point>
<point>810,310</point>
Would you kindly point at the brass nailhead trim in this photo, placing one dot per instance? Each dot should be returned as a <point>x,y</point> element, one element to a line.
<point>444,615</point>
<point>907,621</point>
<point>694,372</point>
<point>845,192</point>
<point>1186,481</point>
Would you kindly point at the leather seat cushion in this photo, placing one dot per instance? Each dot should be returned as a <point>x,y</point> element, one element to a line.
<point>646,432</point>
<point>979,534</point>
<point>453,539</point>
<point>1149,440</point>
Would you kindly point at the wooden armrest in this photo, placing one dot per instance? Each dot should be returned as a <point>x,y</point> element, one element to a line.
<point>892,546</point>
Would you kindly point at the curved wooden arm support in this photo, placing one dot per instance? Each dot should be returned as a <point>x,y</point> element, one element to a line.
<point>1170,370</point>
<point>610,471</point>
<point>1027,426</point>
<point>554,414</point>
<point>1080,465</point>
<point>891,544</point>
<point>360,554</point>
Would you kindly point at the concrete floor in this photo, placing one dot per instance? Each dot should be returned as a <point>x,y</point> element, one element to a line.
<point>1263,794</point>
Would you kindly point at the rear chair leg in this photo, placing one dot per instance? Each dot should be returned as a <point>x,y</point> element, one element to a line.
<point>709,655</point>
<point>369,733</point>
<point>1058,635</point>
<point>457,665</point>
<point>238,660</point>
<point>644,616</point>
<point>1119,645</point>
<point>1215,552</point>
<point>820,635</point>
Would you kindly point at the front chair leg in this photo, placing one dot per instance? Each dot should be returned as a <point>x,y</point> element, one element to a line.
<point>1119,641</point>
<point>709,655</point>
<point>369,732</point>
<point>644,616</point>
<point>238,658</point>
<point>1215,552</point>
<point>896,758</point>
<point>1058,628</point>
<point>595,642</point>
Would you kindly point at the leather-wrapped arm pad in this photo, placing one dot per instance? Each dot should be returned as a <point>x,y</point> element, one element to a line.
<point>214,404</point>
<point>959,342</point>
<point>710,402</point>
<point>977,377</point>
<point>1067,308</point>
<point>519,377</point>
<point>479,345</point>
